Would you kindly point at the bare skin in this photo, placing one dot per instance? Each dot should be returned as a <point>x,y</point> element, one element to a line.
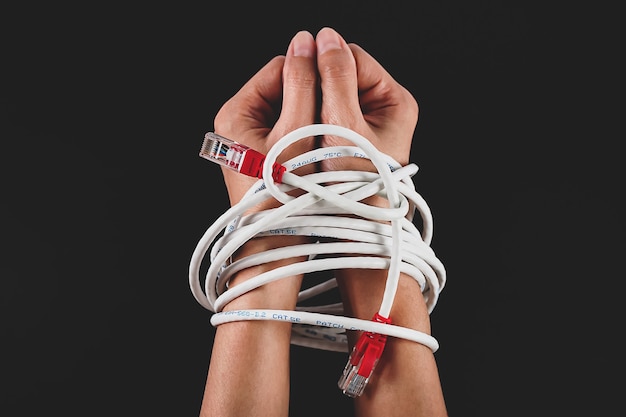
<point>359,94</point>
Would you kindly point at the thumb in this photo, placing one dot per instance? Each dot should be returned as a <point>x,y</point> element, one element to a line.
<point>338,80</point>
<point>299,80</point>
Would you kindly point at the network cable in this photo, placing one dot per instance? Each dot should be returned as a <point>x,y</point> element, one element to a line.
<point>375,237</point>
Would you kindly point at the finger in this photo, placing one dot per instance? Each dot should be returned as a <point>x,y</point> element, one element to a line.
<point>388,108</point>
<point>338,80</point>
<point>299,84</point>
<point>255,106</point>
<point>383,100</point>
<point>247,118</point>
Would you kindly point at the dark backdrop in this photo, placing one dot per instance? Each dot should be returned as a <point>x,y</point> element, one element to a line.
<point>104,197</point>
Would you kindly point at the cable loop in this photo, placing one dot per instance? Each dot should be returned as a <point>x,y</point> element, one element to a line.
<point>331,211</point>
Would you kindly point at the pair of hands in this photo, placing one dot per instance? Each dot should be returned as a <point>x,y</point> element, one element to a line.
<point>356,91</point>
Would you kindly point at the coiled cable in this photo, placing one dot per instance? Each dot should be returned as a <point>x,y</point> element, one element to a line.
<point>375,237</point>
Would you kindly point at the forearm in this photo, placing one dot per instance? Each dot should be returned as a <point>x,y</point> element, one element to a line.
<point>406,380</point>
<point>251,377</point>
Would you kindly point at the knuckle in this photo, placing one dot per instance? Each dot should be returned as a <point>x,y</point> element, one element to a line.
<point>412,105</point>
<point>336,71</point>
<point>300,79</point>
<point>337,65</point>
<point>223,119</point>
<point>408,102</point>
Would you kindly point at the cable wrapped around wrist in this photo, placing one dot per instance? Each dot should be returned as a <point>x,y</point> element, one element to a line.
<point>376,237</point>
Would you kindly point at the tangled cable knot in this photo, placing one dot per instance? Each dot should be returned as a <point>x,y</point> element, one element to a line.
<point>330,210</point>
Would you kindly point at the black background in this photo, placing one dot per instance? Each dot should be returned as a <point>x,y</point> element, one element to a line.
<point>104,197</point>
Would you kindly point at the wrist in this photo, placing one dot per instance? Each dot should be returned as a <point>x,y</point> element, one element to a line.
<point>281,294</point>
<point>362,291</point>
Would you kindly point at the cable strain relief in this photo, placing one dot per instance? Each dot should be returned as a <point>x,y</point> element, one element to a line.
<point>277,172</point>
<point>381,319</point>
<point>252,163</point>
<point>363,359</point>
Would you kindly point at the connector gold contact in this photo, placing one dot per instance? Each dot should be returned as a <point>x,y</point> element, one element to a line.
<point>236,156</point>
<point>222,150</point>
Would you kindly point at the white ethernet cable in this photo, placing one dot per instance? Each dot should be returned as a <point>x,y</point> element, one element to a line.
<point>385,238</point>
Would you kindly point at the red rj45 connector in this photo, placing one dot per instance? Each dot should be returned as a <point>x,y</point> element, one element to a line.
<point>236,156</point>
<point>363,360</point>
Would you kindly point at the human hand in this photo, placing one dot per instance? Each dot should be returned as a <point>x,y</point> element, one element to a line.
<point>279,98</point>
<point>358,93</point>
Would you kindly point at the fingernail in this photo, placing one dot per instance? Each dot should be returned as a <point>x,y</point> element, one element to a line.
<point>303,44</point>
<point>328,40</point>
